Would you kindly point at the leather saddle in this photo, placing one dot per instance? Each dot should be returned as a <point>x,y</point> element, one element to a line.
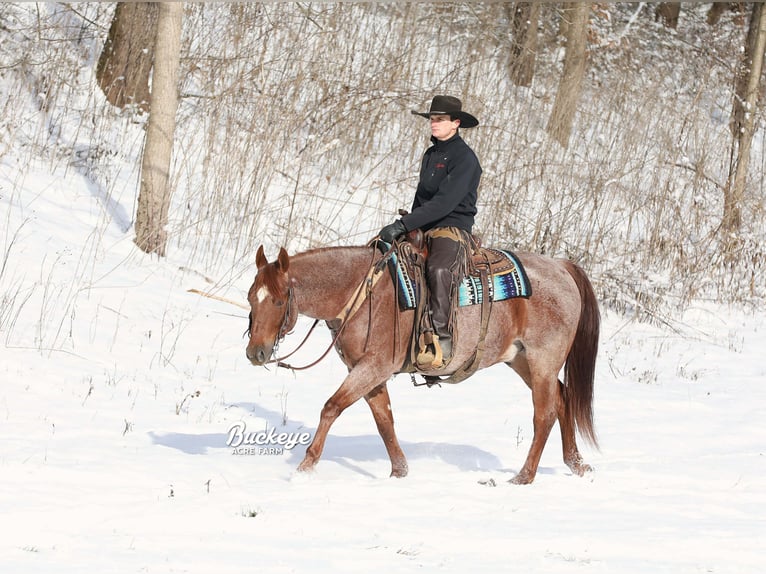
<point>413,252</point>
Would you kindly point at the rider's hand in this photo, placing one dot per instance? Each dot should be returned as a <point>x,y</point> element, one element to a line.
<point>392,231</point>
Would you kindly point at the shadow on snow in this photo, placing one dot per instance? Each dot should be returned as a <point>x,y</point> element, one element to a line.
<point>343,450</point>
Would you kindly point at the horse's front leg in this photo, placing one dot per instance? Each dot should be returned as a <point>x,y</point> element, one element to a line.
<point>359,382</point>
<point>380,405</point>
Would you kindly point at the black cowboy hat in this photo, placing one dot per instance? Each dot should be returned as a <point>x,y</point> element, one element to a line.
<point>448,105</point>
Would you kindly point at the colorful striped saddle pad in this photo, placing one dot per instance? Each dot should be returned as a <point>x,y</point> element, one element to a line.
<point>508,280</point>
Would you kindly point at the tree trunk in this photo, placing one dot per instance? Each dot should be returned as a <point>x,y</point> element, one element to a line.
<point>744,74</point>
<point>669,12</point>
<point>716,11</point>
<point>524,19</point>
<point>743,125</point>
<point>568,94</point>
<point>126,59</point>
<point>154,195</point>
<point>718,8</point>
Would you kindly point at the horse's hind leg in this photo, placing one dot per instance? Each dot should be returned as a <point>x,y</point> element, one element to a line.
<point>572,456</point>
<point>380,405</point>
<point>546,400</point>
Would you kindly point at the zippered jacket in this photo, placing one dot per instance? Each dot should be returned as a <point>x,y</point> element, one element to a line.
<point>447,191</point>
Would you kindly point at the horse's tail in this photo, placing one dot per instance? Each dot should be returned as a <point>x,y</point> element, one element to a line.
<point>580,368</point>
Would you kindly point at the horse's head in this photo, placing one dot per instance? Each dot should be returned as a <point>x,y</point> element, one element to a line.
<point>272,312</point>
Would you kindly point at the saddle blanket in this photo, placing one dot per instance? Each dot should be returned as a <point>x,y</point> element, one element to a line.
<point>507,281</point>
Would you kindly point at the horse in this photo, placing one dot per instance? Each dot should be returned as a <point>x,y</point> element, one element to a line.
<point>556,327</point>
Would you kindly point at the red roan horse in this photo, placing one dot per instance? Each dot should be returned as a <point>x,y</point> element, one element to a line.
<point>558,326</point>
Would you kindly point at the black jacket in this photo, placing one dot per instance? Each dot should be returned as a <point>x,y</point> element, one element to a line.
<point>447,190</point>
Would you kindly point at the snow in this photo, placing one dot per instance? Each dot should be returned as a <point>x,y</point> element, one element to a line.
<point>119,389</point>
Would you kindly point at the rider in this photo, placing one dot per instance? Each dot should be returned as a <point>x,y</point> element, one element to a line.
<point>444,208</point>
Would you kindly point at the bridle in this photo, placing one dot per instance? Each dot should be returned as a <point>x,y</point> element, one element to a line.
<point>288,324</point>
<point>285,328</point>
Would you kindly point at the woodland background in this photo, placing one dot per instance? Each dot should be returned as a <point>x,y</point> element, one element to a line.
<point>289,124</point>
<point>293,128</point>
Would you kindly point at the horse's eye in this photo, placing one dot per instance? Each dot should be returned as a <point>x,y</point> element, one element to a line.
<point>278,302</point>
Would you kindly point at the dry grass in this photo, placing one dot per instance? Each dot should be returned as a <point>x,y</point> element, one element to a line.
<point>294,129</point>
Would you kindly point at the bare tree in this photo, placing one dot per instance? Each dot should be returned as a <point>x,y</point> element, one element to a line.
<point>126,60</point>
<point>668,12</point>
<point>154,195</point>
<point>568,94</point>
<point>524,17</point>
<point>718,8</point>
<point>743,123</point>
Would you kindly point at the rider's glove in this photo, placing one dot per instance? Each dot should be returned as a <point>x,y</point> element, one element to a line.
<point>392,231</point>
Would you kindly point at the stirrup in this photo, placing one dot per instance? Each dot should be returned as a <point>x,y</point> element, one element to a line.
<point>430,355</point>
<point>425,359</point>
<point>425,356</point>
<point>439,355</point>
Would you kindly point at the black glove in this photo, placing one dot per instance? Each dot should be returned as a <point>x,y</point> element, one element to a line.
<point>391,231</point>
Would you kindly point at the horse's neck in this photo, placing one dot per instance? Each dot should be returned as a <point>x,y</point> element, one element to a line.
<point>325,279</point>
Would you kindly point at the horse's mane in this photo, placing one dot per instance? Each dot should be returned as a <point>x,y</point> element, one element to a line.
<point>337,253</point>
<point>336,249</point>
<point>337,256</point>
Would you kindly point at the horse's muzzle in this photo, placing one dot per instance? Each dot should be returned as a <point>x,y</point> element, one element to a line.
<point>259,354</point>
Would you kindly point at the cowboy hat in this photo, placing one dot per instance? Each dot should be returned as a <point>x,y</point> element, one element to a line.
<point>448,105</point>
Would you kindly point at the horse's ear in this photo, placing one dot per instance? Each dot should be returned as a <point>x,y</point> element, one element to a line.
<point>283,261</point>
<point>260,258</point>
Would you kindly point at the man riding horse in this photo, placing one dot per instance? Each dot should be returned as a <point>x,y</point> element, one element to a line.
<point>444,208</point>
<point>540,337</point>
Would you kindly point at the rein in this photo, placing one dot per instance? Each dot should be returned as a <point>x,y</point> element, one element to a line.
<point>349,310</point>
<point>284,330</point>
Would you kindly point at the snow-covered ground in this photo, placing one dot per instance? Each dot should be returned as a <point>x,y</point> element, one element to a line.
<point>119,388</point>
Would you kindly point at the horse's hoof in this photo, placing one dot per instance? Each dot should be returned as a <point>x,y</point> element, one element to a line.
<point>522,478</point>
<point>580,468</point>
<point>306,466</point>
<point>399,472</point>
<point>588,470</point>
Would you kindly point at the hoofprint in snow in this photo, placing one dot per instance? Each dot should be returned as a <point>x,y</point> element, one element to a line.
<point>120,391</point>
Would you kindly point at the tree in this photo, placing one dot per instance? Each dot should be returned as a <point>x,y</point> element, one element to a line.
<point>718,8</point>
<point>524,18</point>
<point>743,124</point>
<point>154,194</point>
<point>564,107</point>
<point>669,12</point>
<point>126,60</point>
